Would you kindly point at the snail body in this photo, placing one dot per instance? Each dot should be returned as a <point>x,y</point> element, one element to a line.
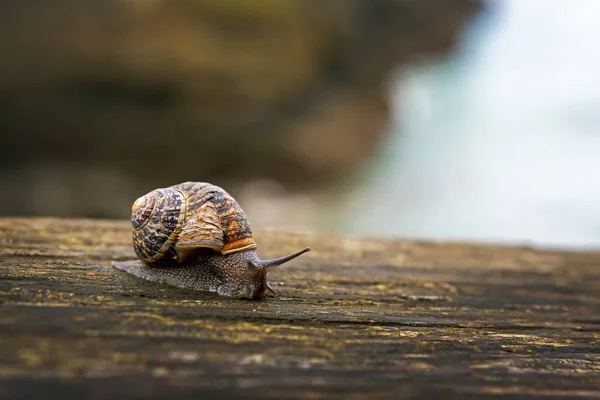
<point>195,235</point>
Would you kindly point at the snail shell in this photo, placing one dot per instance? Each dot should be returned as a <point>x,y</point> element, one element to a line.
<point>195,235</point>
<point>168,224</point>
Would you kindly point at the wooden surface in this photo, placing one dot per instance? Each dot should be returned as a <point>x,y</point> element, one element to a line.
<point>356,319</point>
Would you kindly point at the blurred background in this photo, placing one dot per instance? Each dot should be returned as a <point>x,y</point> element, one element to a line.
<point>446,120</point>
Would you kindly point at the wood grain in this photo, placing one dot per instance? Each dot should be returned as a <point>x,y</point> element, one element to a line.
<point>356,319</point>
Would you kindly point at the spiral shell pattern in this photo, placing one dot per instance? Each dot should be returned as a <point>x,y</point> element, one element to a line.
<point>168,222</point>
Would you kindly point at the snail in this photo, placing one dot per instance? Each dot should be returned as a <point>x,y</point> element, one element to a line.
<point>195,235</point>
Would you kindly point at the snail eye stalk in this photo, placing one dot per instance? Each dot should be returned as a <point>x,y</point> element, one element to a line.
<point>270,265</point>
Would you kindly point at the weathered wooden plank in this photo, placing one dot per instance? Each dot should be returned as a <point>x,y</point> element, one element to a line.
<point>357,318</point>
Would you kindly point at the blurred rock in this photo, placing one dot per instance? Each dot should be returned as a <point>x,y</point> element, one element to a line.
<point>103,101</point>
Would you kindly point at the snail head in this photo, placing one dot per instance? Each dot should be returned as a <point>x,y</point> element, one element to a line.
<point>253,282</point>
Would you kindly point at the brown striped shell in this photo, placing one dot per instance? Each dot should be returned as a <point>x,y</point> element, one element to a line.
<point>170,223</point>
